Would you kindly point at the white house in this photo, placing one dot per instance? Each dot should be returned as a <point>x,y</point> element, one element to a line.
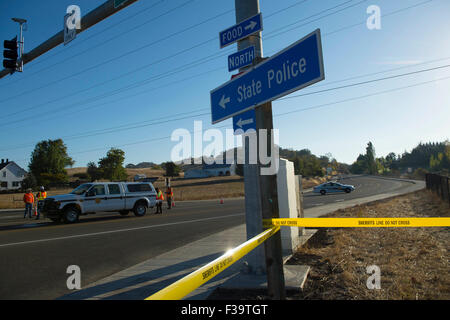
<point>211,170</point>
<point>11,175</point>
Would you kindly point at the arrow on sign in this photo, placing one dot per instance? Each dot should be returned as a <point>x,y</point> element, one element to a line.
<point>251,25</point>
<point>241,122</point>
<point>224,101</point>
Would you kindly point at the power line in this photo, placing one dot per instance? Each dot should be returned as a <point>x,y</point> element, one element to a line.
<point>78,42</point>
<point>285,113</point>
<point>397,11</point>
<point>148,65</point>
<point>145,123</point>
<point>369,81</point>
<point>93,67</point>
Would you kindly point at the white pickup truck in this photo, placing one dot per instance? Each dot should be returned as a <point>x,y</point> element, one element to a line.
<point>121,197</point>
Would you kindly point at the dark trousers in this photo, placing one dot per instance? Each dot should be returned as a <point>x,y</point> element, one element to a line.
<point>169,202</point>
<point>28,209</point>
<point>158,206</point>
<point>40,204</point>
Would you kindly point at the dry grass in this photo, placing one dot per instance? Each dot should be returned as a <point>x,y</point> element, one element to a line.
<point>15,200</point>
<point>414,262</point>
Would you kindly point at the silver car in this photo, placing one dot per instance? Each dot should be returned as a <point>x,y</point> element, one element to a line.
<point>333,187</point>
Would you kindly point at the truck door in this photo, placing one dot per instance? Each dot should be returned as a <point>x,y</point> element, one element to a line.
<point>95,200</point>
<point>116,199</point>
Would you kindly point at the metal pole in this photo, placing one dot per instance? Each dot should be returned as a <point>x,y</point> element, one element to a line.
<point>267,205</point>
<point>100,13</point>
<point>22,44</point>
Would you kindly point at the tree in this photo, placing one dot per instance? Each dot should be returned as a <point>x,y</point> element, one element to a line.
<point>93,171</point>
<point>172,170</point>
<point>370,158</point>
<point>29,182</point>
<point>48,162</point>
<point>111,166</point>
<point>360,165</point>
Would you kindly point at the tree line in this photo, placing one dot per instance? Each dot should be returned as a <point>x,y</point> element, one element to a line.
<point>425,157</point>
<point>50,159</point>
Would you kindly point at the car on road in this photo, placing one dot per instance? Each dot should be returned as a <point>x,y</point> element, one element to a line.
<point>88,198</point>
<point>332,187</point>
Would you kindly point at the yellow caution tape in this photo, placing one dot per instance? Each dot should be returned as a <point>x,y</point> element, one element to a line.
<point>358,222</point>
<point>192,281</point>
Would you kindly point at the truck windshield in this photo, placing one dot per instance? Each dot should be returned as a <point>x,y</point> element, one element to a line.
<point>82,189</point>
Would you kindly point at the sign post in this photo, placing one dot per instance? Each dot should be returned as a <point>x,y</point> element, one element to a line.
<point>247,98</point>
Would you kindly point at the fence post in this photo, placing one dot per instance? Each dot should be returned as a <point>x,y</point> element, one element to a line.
<point>448,190</point>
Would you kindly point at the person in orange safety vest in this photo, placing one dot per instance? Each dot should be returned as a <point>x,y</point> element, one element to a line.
<point>28,199</point>
<point>41,195</point>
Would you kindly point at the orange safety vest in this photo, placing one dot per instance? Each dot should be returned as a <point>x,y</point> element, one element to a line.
<point>28,198</point>
<point>42,195</point>
<point>159,196</point>
<point>169,193</point>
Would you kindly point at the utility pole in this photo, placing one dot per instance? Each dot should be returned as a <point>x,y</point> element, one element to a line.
<point>261,199</point>
<point>102,12</point>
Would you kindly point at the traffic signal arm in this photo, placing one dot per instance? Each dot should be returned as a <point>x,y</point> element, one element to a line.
<point>100,13</point>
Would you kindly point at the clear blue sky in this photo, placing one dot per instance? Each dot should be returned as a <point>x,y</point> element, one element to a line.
<point>89,86</point>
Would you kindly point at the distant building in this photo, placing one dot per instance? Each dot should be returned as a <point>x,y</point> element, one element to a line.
<point>11,175</point>
<point>210,170</point>
<point>139,177</point>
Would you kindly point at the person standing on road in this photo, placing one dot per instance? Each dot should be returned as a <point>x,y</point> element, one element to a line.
<point>28,198</point>
<point>41,195</point>
<point>159,200</point>
<point>169,195</point>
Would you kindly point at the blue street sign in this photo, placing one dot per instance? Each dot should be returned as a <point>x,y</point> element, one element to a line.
<point>294,68</point>
<point>241,58</point>
<point>241,30</point>
<point>244,122</point>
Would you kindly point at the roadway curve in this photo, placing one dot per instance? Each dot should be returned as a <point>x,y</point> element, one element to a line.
<point>35,255</point>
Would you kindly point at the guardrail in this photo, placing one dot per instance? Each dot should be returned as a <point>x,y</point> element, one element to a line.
<point>192,281</point>
<point>439,185</point>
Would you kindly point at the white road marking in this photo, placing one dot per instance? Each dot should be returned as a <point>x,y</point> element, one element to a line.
<point>116,231</point>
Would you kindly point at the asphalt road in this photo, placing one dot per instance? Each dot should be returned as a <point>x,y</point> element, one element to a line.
<point>35,254</point>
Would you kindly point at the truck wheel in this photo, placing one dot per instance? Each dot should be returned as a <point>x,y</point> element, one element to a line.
<point>348,190</point>
<point>322,192</point>
<point>71,215</point>
<point>124,212</point>
<point>140,209</point>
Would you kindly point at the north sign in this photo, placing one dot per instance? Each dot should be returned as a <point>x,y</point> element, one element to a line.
<point>241,58</point>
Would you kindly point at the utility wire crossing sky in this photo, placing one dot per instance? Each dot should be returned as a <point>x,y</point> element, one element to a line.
<point>134,78</point>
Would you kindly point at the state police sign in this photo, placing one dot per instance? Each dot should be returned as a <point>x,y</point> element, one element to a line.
<point>293,68</point>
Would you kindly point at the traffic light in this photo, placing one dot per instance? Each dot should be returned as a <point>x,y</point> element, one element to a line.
<point>10,54</point>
